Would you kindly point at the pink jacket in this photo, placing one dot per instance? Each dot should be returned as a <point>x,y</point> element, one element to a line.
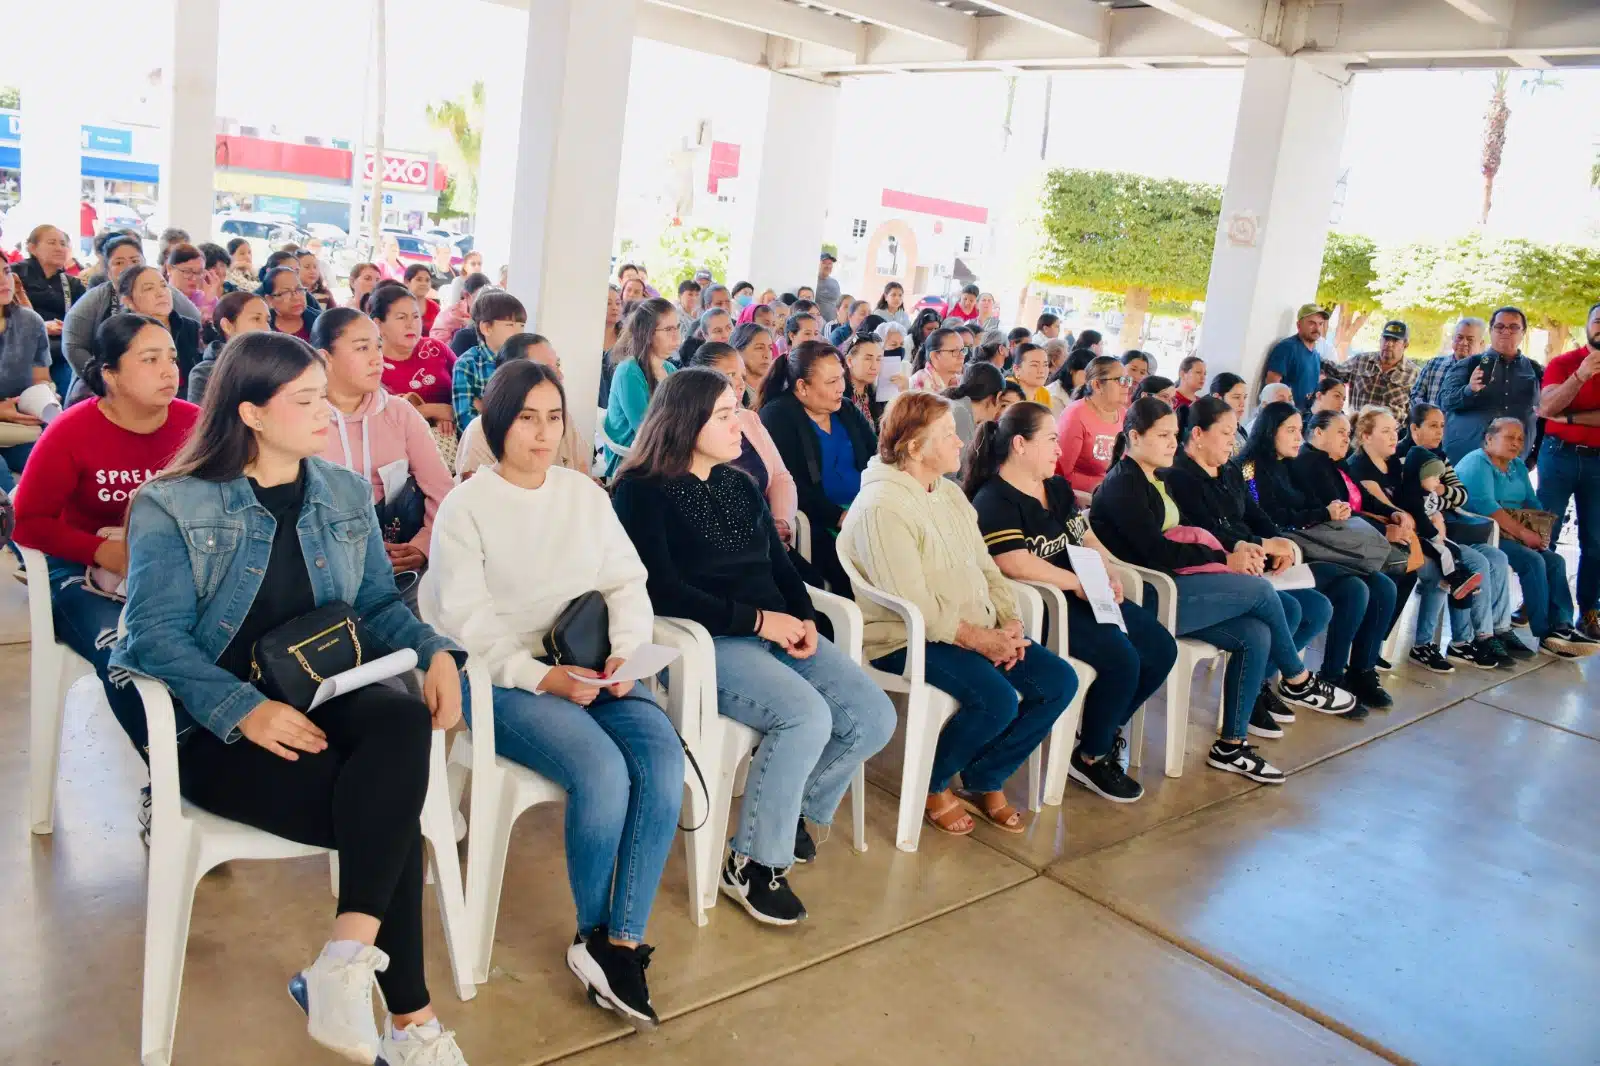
<point>782,497</point>
<point>380,431</point>
<point>446,323</point>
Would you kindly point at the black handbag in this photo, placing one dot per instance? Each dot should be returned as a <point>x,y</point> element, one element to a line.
<point>291,661</point>
<point>400,519</point>
<point>581,634</point>
<point>1350,542</point>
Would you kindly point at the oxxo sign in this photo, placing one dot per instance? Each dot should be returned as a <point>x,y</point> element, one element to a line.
<point>401,170</point>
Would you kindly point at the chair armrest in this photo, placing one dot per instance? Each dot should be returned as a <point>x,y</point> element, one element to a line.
<point>692,677</point>
<point>482,727</point>
<point>802,535</point>
<point>41,622</point>
<point>1030,609</point>
<point>909,613</point>
<point>1166,593</point>
<point>846,619</point>
<point>1494,530</point>
<point>1055,611</point>
<point>1132,586</point>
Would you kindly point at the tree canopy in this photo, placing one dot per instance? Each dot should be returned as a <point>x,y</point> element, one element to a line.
<point>1348,273</point>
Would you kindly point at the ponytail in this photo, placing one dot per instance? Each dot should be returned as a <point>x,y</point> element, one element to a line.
<point>788,369</point>
<point>991,445</point>
<point>979,382</point>
<point>1092,370</point>
<point>1141,418</point>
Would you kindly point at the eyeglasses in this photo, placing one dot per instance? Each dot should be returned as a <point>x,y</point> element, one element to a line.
<point>1507,327</point>
<point>667,329</point>
<point>1124,380</point>
<point>949,351</point>
<point>288,292</point>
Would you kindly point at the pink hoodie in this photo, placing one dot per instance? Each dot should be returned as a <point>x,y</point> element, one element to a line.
<point>380,431</point>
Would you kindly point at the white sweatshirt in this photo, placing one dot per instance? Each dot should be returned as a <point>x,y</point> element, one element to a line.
<point>507,560</point>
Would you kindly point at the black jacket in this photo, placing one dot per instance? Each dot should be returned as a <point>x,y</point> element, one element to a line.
<point>47,296</point>
<point>1221,504</point>
<point>1317,477</point>
<point>200,376</point>
<point>1280,498</point>
<point>466,339</point>
<point>711,549</point>
<point>796,441</point>
<point>1127,515</point>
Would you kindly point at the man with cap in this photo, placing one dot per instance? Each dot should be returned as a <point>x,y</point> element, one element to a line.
<point>828,292</point>
<point>1384,377</point>
<point>1295,360</point>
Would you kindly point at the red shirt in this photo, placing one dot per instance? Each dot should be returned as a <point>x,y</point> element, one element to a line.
<point>965,316</point>
<point>88,218</point>
<point>1180,400</point>
<point>1557,371</point>
<point>427,373</point>
<point>82,473</point>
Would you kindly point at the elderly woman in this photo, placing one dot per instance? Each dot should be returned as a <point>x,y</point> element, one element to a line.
<point>1497,485</point>
<point>913,534</point>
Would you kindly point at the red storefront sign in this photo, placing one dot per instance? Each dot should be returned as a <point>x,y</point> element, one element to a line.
<point>329,164</point>
<point>408,170</point>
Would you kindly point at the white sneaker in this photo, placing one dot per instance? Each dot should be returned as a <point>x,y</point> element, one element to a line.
<point>337,998</point>
<point>420,1046</point>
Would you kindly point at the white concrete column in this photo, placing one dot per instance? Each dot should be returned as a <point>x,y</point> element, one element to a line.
<point>791,176</point>
<point>569,158</point>
<point>53,112</point>
<point>187,172</point>
<point>1275,210</point>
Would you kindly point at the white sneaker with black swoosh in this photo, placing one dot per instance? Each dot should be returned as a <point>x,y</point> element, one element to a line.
<point>1237,757</point>
<point>1315,694</point>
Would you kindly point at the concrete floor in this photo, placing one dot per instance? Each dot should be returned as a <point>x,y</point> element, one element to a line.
<point>1423,889</point>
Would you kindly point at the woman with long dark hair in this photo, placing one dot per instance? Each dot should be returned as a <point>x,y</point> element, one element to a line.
<point>237,312</point>
<point>51,292</point>
<point>1231,606</point>
<point>1029,517</point>
<point>1090,424</point>
<point>143,290</point>
<point>714,556</point>
<point>933,366</point>
<point>975,399</point>
<point>758,455</point>
<point>221,548</point>
<point>416,368</point>
<point>642,360</point>
<point>754,344</point>
<point>863,361</point>
<point>892,305</point>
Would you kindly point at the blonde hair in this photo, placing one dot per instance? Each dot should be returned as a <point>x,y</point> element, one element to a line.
<point>906,421</point>
<point>1367,419</point>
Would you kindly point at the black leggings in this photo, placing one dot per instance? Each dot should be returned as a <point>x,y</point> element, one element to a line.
<point>361,796</point>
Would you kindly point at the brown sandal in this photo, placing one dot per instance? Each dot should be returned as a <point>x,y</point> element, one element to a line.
<point>1002,815</point>
<point>945,820</point>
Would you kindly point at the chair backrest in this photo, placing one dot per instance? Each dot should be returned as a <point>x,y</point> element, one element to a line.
<point>480,688</point>
<point>910,614</point>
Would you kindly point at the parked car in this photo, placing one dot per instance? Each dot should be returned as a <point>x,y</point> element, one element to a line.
<point>266,233</point>
<point>935,302</point>
<point>462,242</point>
<point>415,248</point>
<point>330,235</point>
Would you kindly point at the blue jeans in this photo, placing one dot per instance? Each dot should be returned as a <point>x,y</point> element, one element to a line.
<point>12,460</point>
<point>86,622</point>
<point>1307,612</point>
<point>622,766</point>
<point>1544,586</point>
<point>1002,717</point>
<point>819,719</point>
<point>1129,667</point>
<point>1244,616</point>
<point>1362,605</point>
<point>1478,616</point>
<point>1564,474</point>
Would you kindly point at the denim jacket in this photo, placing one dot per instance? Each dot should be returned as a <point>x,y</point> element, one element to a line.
<point>180,618</point>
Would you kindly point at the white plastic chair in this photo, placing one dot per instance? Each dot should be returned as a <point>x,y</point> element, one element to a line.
<point>802,535</point>
<point>1191,653</point>
<point>723,746</point>
<point>53,669</point>
<point>186,842</point>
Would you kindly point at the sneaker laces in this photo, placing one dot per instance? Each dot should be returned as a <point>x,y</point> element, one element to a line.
<point>355,978</point>
<point>433,1047</point>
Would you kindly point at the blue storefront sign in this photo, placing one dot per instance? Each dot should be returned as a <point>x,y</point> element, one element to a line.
<point>104,141</point>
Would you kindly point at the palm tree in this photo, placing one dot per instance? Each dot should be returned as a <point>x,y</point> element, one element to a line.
<point>1494,129</point>
<point>462,121</point>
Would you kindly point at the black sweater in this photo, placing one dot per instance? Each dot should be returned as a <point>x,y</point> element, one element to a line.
<point>1276,492</point>
<point>797,443</point>
<point>1127,515</point>
<point>1316,475</point>
<point>711,550</point>
<point>1362,469</point>
<point>1221,504</point>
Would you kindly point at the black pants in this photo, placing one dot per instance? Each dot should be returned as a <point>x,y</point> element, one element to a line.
<point>361,796</point>
<point>1403,584</point>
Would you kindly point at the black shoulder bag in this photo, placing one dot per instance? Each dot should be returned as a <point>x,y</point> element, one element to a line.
<point>291,661</point>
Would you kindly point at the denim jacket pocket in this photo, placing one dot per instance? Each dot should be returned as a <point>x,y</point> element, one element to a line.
<point>211,550</point>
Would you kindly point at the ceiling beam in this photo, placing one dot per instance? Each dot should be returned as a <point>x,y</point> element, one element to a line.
<point>779,18</point>
<point>1488,12</point>
<point>918,18</point>
<point>1225,18</point>
<point>656,23</point>
<point>1082,19</point>
<point>1531,61</point>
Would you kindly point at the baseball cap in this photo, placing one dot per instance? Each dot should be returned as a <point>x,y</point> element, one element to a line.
<point>1307,310</point>
<point>1395,330</point>
<point>830,257</point>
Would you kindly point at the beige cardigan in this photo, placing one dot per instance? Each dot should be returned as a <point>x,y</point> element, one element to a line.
<point>924,547</point>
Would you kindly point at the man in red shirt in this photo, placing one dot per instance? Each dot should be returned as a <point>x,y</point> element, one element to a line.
<point>1569,461</point>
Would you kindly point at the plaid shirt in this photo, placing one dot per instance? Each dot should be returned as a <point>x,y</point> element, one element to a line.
<point>1371,384</point>
<point>1430,381</point>
<point>472,374</point>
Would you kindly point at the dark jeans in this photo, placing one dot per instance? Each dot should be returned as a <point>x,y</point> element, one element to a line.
<point>12,460</point>
<point>1246,617</point>
<point>1129,667</point>
<point>1544,586</point>
<point>86,622</point>
<point>1563,475</point>
<point>1003,715</point>
<point>1403,584</point>
<point>1362,607</point>
<point>361,795</point>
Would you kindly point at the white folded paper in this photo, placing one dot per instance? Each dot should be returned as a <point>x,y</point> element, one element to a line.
<point>39,400</point>
<point>891,366</point>
<point>370,673</point>
<point>647,660</point>
<point>1294,577</point>
<point>1096,582</point>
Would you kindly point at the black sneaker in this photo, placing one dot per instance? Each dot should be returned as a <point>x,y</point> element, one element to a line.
<point>1316,694</point>
<point>1493,646</point>
<point>1104,777</point>
<point>1474,654</point>
<point>1384,665</point>
<point>1241,758</point>
<point>613,976</point>
<point>1514,646</point>
<point>805,849</point>
<point>1281,712</point>
<point>761,890</point>
<point>1564,642</point>
<point>1578,636</point>
<point>1367,689</point>
<point>1262,724</point>
<point>1427,656</point>
<point>144,816</point>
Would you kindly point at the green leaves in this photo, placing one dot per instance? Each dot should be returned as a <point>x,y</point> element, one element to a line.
<point>1347,272</point>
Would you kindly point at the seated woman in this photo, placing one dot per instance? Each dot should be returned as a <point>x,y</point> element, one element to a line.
<point>1362,603</point>
<point>119,254</point>
<point>143,290</point>
<point>863,361</point>
<point>1482,626</point>
<point>1090,424</point>
<point>825,443</point>
<point>1031,370</point>
<point>473,453</point>
<point>713,555</point>
<point>1163,389</point>
<point>380,437</point>
<point>506,566</point>
<point>754,345</point>
<point>1497,486</point>
<point>642,358</point>
<point>758,455</point>
<point>1237,611</point>
<point>24,362</point>
<point>1374,469</point>
<point>416,369</point>
<point>1330,396</point>
<point>914,535</point>
<point>292,312</point>
<point>236,313</point>
<point>937,364</point>
<point>311,279</point>
<point>51,292</point>
<point>364,277</point>
<point>202,592</point>
<point>975,399</point>
<point>1233,391</point>
<point>1068,378</point>
<point>714,324</point>
<point>1029,517</point>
